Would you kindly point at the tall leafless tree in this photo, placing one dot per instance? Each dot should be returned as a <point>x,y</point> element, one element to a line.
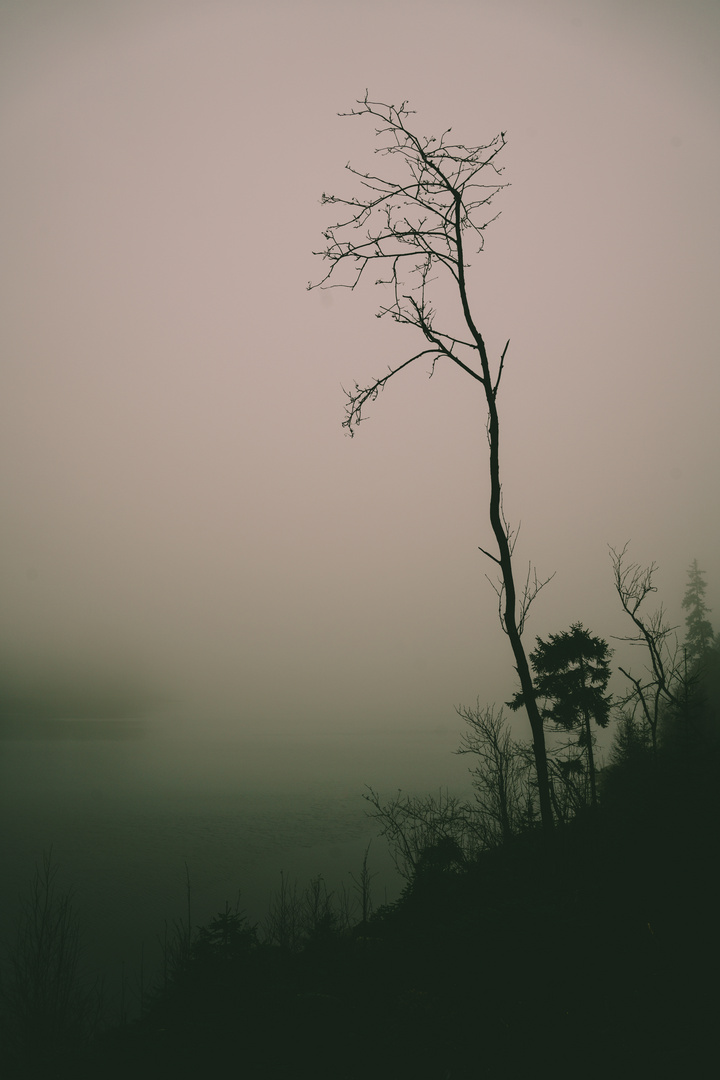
<point>410,229</point>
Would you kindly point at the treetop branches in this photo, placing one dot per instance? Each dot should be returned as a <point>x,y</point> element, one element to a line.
<point>412,227</point>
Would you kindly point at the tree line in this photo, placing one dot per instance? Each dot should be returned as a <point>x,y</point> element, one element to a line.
<point>670,705</point>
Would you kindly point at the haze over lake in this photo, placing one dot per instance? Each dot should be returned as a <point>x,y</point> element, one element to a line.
<point>125,813</point>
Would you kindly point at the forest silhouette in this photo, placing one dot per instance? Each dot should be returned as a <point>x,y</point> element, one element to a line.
<point>593,947</point>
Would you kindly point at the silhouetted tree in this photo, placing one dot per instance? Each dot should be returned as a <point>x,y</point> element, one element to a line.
<point>631,746</point>
<point>664,683</point>
<point>699,633</point>
<point>569,781</point>
<point>49,1011</point>
<point>627,783</point>
<point>572,671</point>
<point>415,825</point>
<point>284,922</point>
<point>504,800</point>
<point>227,937</point>
<point>362,885</point>
<point>414,229</point>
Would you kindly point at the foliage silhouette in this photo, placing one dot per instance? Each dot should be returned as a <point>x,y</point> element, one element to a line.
<point>572,670</point>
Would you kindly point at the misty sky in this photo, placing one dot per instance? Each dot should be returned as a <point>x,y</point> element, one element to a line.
<point>179,502</point>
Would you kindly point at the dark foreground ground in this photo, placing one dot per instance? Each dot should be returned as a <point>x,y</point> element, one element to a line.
<point>593,954</point>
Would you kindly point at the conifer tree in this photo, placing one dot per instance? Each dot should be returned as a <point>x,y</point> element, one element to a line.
<point>572,671</point>
<point>699,633</point>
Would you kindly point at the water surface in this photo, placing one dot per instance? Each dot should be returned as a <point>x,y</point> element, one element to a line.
<point>127,809</point>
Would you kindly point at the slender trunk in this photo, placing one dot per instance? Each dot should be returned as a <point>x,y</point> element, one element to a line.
<point>510,612</point>
<point>588,737</point>
<point>591,760</point>
<point>503,543</point>
<point>505,827</point>
<point>528,691</point>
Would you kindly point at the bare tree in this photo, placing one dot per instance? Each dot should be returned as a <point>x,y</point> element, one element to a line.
<point>49,1010</point>
<point>503,794</point>
<point>362,885</point>
<point>416,826</point>
<point>569,782</point>
<point>410,230</point>
<point>663,681</point>
<point>283,924</point>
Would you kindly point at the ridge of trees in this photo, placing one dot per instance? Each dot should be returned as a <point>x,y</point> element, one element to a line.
<point>442,981</point>
<point>673,702</point>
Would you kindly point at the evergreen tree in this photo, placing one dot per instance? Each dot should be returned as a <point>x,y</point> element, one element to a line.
<point>632,747</point>
<point>572,671</point>
<point>699,633</point>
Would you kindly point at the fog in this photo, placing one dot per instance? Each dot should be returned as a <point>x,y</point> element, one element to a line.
<point>186,528</point>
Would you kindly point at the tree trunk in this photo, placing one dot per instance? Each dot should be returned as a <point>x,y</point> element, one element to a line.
<point>510,612</point>
<point>591,761</point>
<point>501,537</point>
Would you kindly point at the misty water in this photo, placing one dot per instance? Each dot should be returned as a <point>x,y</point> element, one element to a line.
<point>127,807</point>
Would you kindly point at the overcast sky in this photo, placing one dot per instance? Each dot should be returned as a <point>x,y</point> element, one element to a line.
<point>178,497</point>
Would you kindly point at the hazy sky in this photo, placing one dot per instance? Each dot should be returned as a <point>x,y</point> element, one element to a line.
<point>178,496</point>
